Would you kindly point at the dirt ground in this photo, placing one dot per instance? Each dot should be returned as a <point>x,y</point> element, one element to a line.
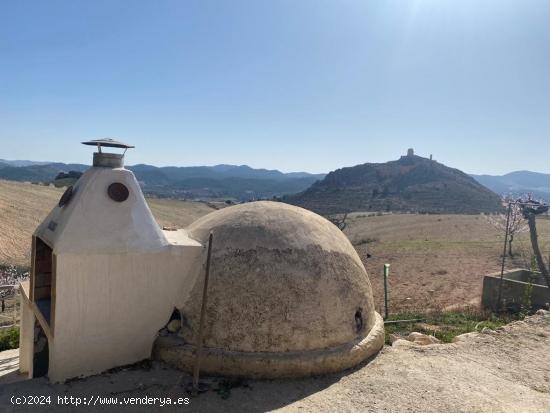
<point>507,370</point>
<point>436,261</point>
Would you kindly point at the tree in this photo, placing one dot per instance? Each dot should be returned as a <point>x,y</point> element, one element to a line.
<point>516,225</point>
<point>530,209</point>
<point>339,221</point>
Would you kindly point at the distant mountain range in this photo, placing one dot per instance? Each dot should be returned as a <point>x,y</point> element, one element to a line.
<point>206,182</point>
<point>410,184</point>
<point>21,163</point>
<point>518,184</point>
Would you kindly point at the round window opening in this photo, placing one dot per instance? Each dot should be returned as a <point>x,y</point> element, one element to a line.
<point>118,192</point>
<point>66,197</point>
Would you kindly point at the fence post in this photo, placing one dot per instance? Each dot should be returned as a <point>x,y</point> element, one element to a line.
<point>196,368</point>
<point>499,300</point>
<point>386,292</point>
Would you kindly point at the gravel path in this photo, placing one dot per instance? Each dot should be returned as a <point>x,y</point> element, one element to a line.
<point>503,371</point>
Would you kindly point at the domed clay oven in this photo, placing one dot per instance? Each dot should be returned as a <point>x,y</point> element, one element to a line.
<point>287,296</point>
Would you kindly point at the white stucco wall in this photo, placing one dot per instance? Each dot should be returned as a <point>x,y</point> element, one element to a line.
<point>26,335</point>
<point>109,308</point>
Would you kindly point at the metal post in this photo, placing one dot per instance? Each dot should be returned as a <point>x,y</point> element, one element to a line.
<point>196,369</point>
<point>386,276</point>
<point>499,304</point>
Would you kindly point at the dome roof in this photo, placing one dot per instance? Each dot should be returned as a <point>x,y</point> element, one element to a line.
<point>282,279</point>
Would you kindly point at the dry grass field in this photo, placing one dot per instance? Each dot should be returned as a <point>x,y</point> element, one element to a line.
<point>22,208</point>
<point>437,261</point>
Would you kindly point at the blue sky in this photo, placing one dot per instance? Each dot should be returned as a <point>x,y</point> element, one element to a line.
<point>295,85</point>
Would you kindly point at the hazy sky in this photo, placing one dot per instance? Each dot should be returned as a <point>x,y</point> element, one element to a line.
<point>293,85</point>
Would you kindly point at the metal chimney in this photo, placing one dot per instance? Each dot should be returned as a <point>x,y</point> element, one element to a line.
<point>108,160</point>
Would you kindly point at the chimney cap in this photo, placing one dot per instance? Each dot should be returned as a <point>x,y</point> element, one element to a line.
<point>108,142</point>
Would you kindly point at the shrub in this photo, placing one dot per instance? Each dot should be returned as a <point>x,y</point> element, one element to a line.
<point>365,241</point>
<point>445,325</point>
<point>9,338</point>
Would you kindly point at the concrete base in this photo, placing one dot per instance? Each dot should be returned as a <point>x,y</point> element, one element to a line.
<point>514,288</point>
<point>174,351</point>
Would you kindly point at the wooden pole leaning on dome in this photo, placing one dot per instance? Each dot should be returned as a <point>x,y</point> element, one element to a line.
<point>196,369</point>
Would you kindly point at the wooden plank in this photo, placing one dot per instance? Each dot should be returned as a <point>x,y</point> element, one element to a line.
<point>25,289</point>
<point>41,293</point>
<point>53,293</point>
<point>43,279</point>
<point>43,262</point>
<point>42,321</point>
<point>33,259</point>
